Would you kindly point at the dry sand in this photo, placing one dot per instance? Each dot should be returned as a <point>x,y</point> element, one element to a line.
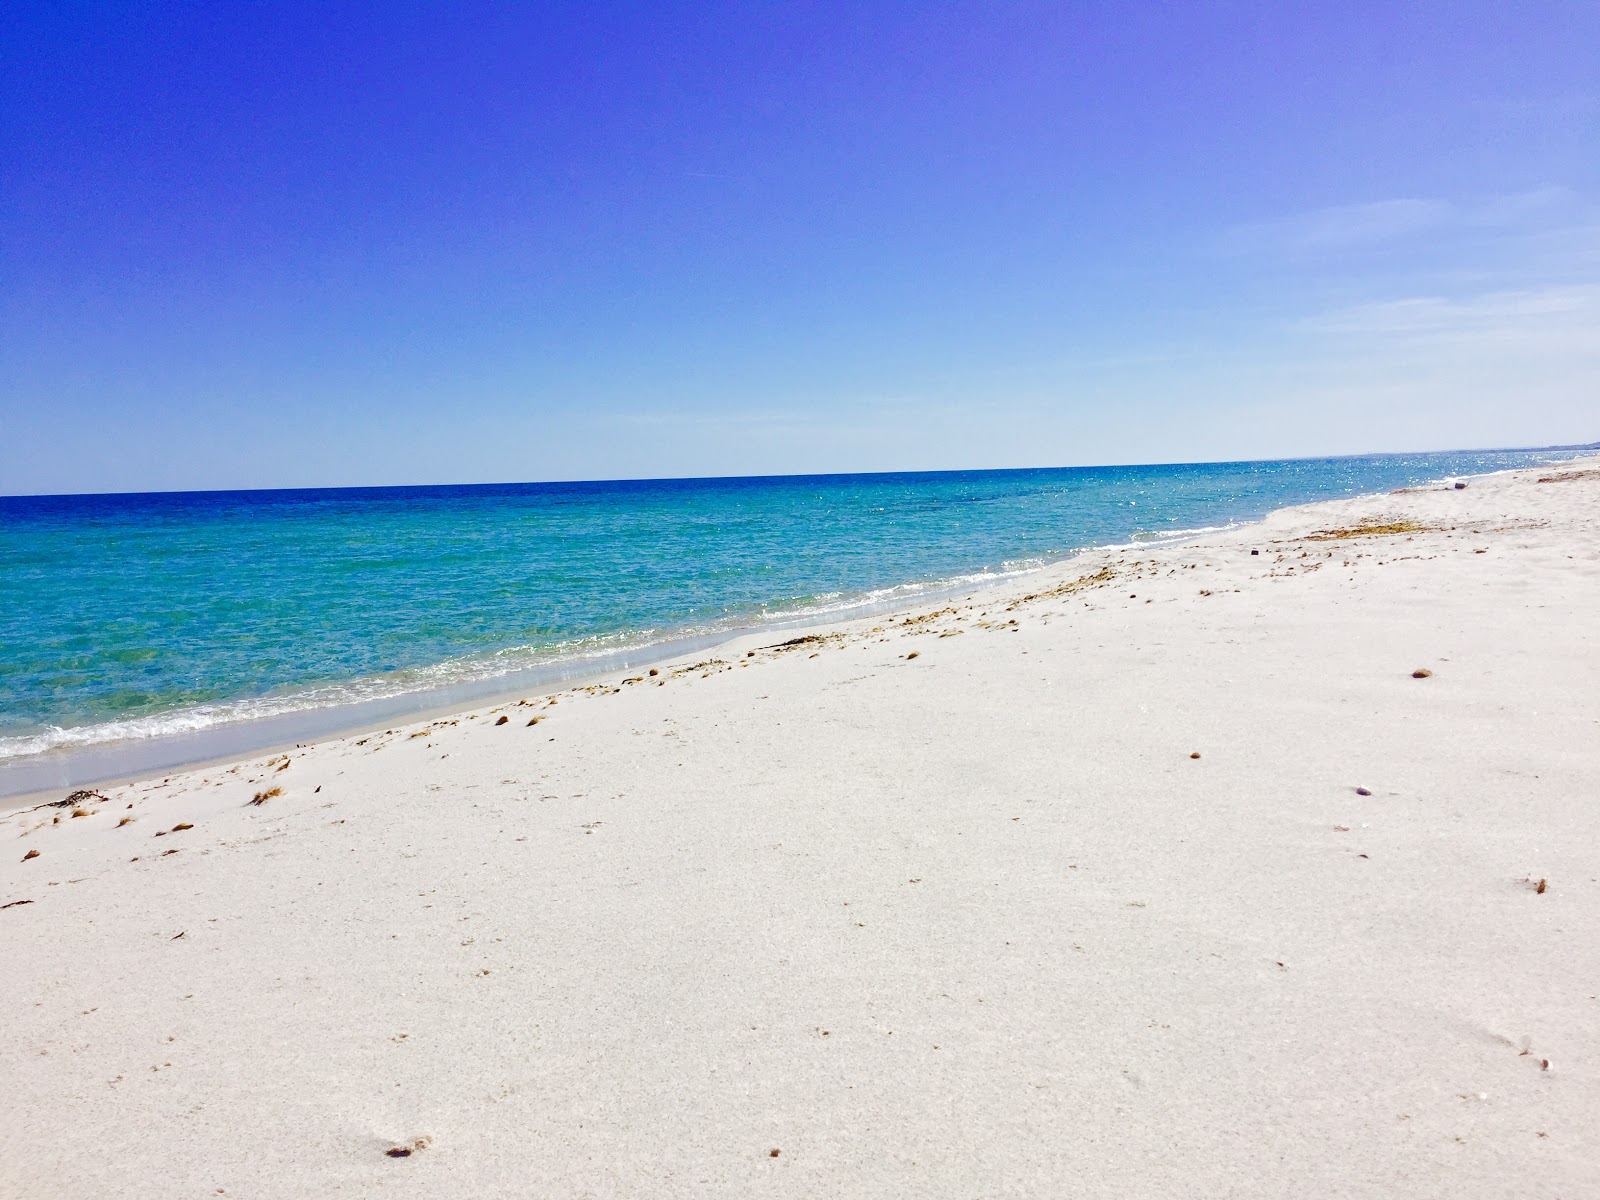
<point>941,906</point>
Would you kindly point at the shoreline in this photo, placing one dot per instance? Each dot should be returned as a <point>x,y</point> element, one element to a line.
<point>339,721</point>
<point>1238,867</point>
<point>23,777</point>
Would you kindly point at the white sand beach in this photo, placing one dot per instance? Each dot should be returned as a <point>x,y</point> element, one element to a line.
<point>1161,873</point>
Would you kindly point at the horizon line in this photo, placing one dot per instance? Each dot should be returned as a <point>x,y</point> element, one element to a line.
<point>389,487</point>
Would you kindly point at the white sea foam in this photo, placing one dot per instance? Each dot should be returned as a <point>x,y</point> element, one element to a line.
<point>836,604</point>
<point>567,658</point>
<point>1147,539</point>
<point>563,660</point>
<point>201,717</point>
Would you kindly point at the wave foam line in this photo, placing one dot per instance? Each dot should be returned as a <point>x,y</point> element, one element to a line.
<point>477,669</point>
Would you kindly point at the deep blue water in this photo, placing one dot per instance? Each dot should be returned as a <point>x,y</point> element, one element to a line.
<point>136,616</point>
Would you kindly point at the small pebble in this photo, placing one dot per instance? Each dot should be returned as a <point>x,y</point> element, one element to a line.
<point>30,854</point>
<point>502,720</point>
<point>1421,673</point>
<point>1362,792</point>
<point>1195,754</point>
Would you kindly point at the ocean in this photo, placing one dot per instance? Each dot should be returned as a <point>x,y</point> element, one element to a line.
<point>140,632</point>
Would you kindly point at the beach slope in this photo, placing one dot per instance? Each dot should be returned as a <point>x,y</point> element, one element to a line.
<point>1263,866</point>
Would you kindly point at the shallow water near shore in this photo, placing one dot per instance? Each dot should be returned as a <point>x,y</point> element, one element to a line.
<point>142,631</point>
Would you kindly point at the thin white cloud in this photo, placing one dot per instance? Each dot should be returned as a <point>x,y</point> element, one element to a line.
<point>1359,226</point>
<point>1342,227</point>
<point>1537,207</point>
<point>1539,313</point>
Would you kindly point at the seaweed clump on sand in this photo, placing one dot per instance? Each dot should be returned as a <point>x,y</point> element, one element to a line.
<point>1371,528</point>
<point>1103,576</point>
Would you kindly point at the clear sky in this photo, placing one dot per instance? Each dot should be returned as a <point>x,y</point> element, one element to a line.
<point>273,245</point>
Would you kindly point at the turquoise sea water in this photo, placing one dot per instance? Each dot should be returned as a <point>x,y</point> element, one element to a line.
<point>134,618</point>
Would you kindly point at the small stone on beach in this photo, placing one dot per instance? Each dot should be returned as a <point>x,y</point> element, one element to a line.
<point>1195,754</point>
<point>30,854</point>
<point>1421,673</point>
<point>1362,792</point>
<point>502,720</point>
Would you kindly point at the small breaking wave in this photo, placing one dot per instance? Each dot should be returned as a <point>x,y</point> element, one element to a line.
<point>418,681</point>
<point>565,659</point>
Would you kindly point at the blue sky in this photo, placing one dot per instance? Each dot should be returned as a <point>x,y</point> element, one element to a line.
<point>265,245</point>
